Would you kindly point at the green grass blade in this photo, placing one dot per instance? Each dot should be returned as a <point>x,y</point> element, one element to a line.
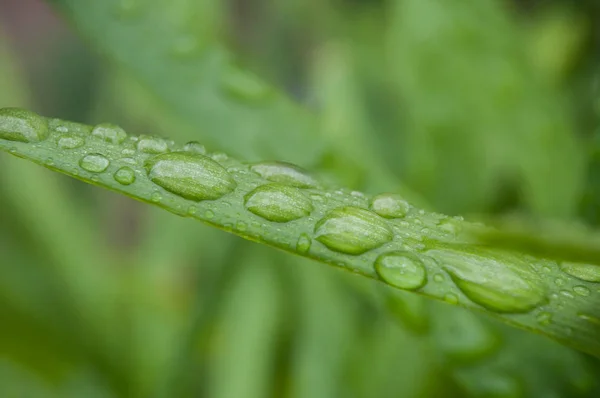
<point>411,249</point>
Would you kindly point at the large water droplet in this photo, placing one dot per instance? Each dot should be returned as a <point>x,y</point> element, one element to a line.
<point>22,125</point>
<point>390,205</point>
<point>152,145</point>
<point>401,269</point>
<point>191,176</point>
<point>109,133</point>
<point>500,283</point>
<point>70,142</point>
<point>125,176</point>
<point>278,203</point>
<point>285,173</point>
<point>94,163</point>
<point>352,230</point>
<point>585,272</point>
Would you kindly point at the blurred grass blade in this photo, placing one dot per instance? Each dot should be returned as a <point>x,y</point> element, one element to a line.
<point>410,249</point>
<point>172,48</point>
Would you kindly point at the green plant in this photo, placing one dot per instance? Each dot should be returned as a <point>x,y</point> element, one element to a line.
<point>134,336</point>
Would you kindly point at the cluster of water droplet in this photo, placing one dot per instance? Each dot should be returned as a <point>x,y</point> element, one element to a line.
<point>401,243</point>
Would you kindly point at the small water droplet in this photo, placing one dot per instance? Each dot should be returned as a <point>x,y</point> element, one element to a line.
<point>110,133</point>
<point>401,269</point>
<point>439,278</point>
<point>70,142</point>
<point>62,129</point>
<point>303,244</point>
<point>582,290</point>
<point>241,226</point>
<point>559,282</point>
<point>352,230</point>
<point>219,156</point>
<point>499,282</point>
<point>451,298</point>
<point>125,176</point>
<point>22,125</point>
<point>191,176</point>
<point>192,210</point>
<point>450,225</point>
<point>49,162</point>
<point>195,147</point>
<point>128,152</point>
<point>94,163</point>
<point>241,85</point>
<point>390,205</point>
<point>585,272</point>
<point>589,318</point>
<point>278,203</point>
<point>156,197</point>
<point>209,214</point>
<point>544,318</point>
<point>567,293</point>
<point>152,145</point>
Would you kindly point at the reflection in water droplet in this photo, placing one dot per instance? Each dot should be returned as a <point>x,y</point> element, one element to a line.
<point>401,269</point>
<point>585,272</point>
<point>582,290</point>
<point>70,142</point>
<point>303,244</point>
<point>352,230</point>
<point>285,173</point>
<point>125,176</point>
<point>278,203</point>
<point>498,282</point>
<point>390,205</point>
<point>109,133</point>
<point>22,125</point>
<point>195,147</point>
<point>191,176</point>
<point>152,145</point>
<point>94,163</point>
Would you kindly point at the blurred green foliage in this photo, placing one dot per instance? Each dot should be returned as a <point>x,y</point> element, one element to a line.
<point>485,107</point>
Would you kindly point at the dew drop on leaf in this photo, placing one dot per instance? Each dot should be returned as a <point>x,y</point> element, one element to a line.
<point>589,318</point>
<point>390,205</point>
<point>500,283</point>
<point>195,147</point>
<point>125,176</point>
<point>544,318</point>
<point>191,176</point>
<point>285,173</point>
<point>152,145</point>
<point>582,291</point>
<point>303,244</point>
<point>585,272</point>
<point>278,203</point>
<point>110,133</point>
<point>352,230</point>
<point>94,163</point>
<point>401,269</point>
<point>70,142</point>
<point>22,125</point>
<point>451,298</point>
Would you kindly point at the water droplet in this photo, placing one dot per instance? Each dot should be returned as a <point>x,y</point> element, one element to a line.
<point>209,214</point>
<point>152,145</point>
<point>451,298</point>
<point>450,225</point>
<point>589,318</point>
<point>70,142</point>
<point>241,85</point>
<point>352,230</point>
<point>559,282</point>
<point>581,290</point>
<point>94,163</point>
<point>22,125</point>
<point>241,226</point>
<point>110,133</point>
<point>195,147</point>
<point>390,205</point>
<point>544,318</point>
<point>156,197</point>
<point>219,156</point>
<point>192,210</point>
<point>303,244</point>
<point>401,269</point>
<point>191,176</point>
<point>125,176</point>
<point>585,272</point>
<point>498,282</point>
<point>278,203</point>
<point>285,173</point>
<point>438,278</point>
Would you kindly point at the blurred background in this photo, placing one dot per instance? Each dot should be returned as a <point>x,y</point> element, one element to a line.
<point>472,107</point>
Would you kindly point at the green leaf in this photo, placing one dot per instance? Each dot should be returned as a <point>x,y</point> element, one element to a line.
<point>521,290</point>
